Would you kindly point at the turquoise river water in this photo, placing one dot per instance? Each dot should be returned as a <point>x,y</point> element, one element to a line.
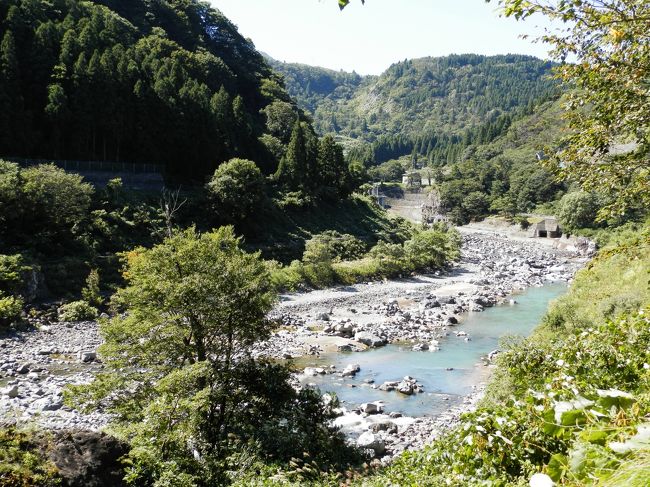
<point>448,374</point>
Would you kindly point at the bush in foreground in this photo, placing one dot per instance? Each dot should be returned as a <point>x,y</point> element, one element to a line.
<point>181,378</point>
<point>21,462</point>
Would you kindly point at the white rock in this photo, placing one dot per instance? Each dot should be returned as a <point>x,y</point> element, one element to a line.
<point>351,370</point>
<point>370,408</point>
<point>541,480</point>
<point>313,371</point>
<point>371,441</point>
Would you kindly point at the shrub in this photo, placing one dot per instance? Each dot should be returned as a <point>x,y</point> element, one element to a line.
<point>91,292</point>
<point>358,270</point>
<point>522,221</point>
<point>391,258</point>
<point>286,278</point>
<point>57,200</point>
<point>12,269</point>
<point>21,462</point>
<point>10,309</point>
<point>77,311</point>
<point>317,263</point>
<point>432,249</point>
<point>294,200</point>
<point>237,189</point>
<point>578,210</point>
<point>340,246</point>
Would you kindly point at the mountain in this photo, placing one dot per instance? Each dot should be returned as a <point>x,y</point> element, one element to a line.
<point>312,86</point>
<point>165,81</point>
<point>423,105</point>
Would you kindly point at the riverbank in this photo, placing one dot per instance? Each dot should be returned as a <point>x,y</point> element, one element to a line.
<point>37,364</point>
<point>419,309</point>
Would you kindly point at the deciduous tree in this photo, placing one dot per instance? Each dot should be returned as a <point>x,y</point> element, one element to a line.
<point>604,48</point>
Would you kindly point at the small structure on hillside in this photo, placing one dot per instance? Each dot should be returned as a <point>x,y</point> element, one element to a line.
<point>379,198</point>
<point>412,180</point>
<point>432,211</point>
<point>547,228</point>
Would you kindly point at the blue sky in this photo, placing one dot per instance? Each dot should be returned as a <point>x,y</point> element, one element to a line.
<point>370,38</point>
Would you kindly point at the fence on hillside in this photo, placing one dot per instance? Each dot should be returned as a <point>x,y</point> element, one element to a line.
<point>108,166</point>
<point>134,175</point>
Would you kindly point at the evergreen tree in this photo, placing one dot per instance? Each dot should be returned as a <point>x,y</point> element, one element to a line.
<point>332,170</point>
<point>294,165</point>
<point>11,99</point>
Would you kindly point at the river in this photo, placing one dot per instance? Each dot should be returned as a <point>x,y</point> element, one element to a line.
<point>449,374</point>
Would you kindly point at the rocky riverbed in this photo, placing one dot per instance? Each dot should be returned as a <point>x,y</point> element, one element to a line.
<point>420,309</point>
<point>36,365</point>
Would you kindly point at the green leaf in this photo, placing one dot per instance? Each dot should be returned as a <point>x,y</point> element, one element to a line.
<point>557,467</point>
<point>594,436</point>
<point>614,397</point>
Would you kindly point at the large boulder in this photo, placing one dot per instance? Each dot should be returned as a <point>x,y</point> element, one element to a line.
<point>369,339</point>
<point>371,408</point>
<point>371,441</point>
<point>388,386</point>
<point>88,458</point>
<point>350,370</point>
<point>406,388</point>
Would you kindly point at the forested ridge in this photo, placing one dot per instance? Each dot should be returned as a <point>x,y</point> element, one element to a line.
<point>169,82</point>
<point>311,86</point>
<point>433,107</point>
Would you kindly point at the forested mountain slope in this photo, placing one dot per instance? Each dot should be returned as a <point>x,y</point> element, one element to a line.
<point>424,105</point>
<point>169,82</point>
<point>311,86</point>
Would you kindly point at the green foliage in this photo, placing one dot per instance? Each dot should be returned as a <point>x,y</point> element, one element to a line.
<point>504,176</point>
<point>333,258</point>
<point>609,41</point>
<point>180,377</point>
<point>11,308</point>
<point>433,249</point>
<point>61,226</point>
<point>61,199</point>
<point>391,258</point>
<point>338,246</point>
<point>21,461</point>
<point>317,263</point>
<point>12,270</point>
<point>236,189</point>
<point>280,118</point>
<point>313,86</point>
<point>578,210</point>
<point>91,293</point>
<point>433,107</point>
<point>388,171</point>
<point>77,311</point>
<point>171,82</point>
<point>571,401</point>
